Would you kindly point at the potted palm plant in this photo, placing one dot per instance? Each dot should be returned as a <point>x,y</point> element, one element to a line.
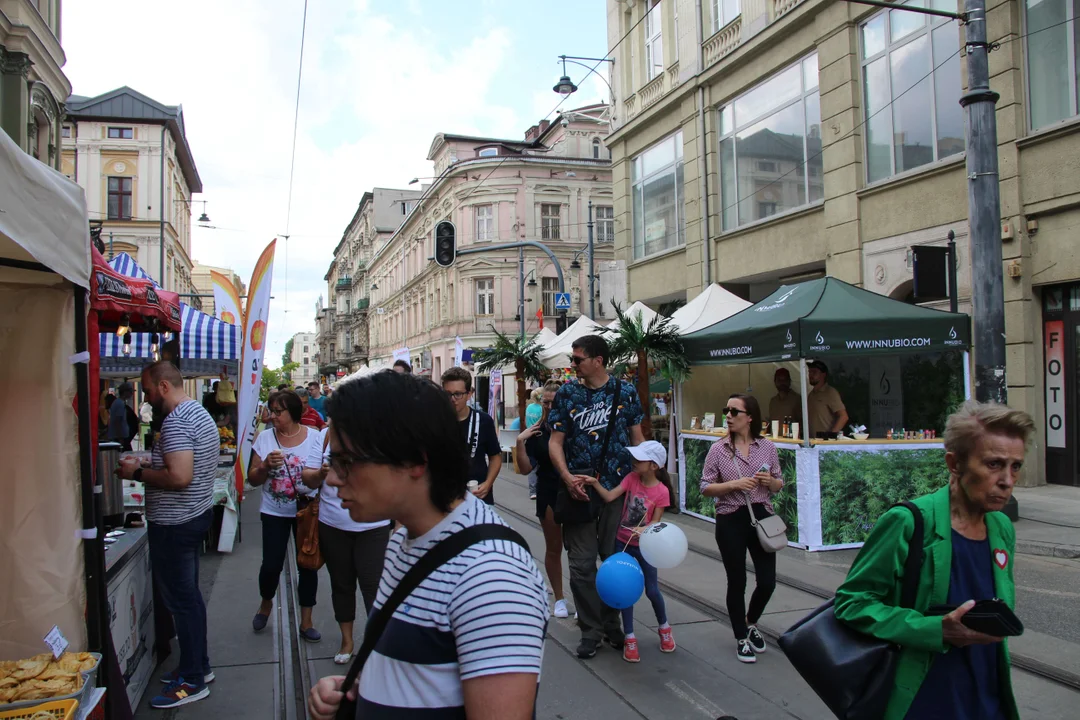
<point>523,353</point>
<point>634,340</point>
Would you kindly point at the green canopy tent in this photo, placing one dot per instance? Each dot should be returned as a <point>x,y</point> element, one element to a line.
<point>826,317</point>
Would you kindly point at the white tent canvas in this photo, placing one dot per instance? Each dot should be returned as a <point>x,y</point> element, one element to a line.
<point>557,355</point>
<point>639,309</point>
<point>708,308</point>
<point>545,338</point>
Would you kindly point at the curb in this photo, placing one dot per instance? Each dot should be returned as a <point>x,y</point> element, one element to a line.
<point>1045,549</point>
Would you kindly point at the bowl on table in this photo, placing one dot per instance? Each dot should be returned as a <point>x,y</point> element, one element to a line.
<point>861,436</point>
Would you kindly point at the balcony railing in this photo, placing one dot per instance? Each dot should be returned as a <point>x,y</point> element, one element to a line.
<point>363,303</point>
<point>344,281</point>
<point>724,41</point>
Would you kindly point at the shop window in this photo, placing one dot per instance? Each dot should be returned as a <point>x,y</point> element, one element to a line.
<point>912,106</point>
<point>658,214</point>
<point>770,147</point>
<point>1053,81</point>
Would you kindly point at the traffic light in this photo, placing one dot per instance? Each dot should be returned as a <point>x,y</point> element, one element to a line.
<point>445,243</point>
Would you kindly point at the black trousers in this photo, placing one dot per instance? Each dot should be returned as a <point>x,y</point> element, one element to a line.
<point>275,544</point>
<point>353,558</point>
<point>734,536</point>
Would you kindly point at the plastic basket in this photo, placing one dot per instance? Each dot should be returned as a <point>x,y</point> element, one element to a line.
<point>57,709</point>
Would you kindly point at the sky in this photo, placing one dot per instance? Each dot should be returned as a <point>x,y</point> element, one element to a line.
<point>380,79</point>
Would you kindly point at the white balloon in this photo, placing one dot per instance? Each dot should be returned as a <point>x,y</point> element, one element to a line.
<point>663,545</point>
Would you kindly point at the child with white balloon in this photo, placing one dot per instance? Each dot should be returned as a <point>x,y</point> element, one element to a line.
<point>648,491</point>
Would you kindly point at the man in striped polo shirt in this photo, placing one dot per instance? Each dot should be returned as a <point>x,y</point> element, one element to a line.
<point>468,642</point>
<point>179,497</point>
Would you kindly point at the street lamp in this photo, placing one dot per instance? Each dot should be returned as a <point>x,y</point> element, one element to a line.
<point>566,87</point>
<point>204,218</point>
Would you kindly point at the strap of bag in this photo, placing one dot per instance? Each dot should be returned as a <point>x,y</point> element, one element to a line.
<point>432,560</point>
<point>750,509</point>
<point>914,561</point>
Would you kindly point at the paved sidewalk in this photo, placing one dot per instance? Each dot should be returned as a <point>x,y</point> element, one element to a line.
<point>1049,521</point>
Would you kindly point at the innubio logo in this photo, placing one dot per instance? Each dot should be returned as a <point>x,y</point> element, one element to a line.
<point>953,338</point>
<point>820,345</point>
<point>789,344</point>
<point>778,303</point>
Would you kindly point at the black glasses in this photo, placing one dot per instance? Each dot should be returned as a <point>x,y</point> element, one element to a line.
<point>342,462</point>
<point>734,411</point>
<point>575,360</point>
<point>457,395</point>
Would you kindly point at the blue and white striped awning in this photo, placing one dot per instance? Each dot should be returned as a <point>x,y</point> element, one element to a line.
<point>202,337</point>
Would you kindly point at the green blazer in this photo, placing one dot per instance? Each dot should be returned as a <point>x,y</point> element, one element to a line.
<point>869,597</point>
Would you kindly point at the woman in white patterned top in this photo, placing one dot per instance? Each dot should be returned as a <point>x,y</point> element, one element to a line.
<point>743,465</point>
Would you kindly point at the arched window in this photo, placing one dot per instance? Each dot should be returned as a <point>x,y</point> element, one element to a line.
<point>596,148</point>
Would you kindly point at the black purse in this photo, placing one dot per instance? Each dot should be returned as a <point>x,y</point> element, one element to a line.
<point>853,673</point>
<point>569,510</point>
<point>432,560</point>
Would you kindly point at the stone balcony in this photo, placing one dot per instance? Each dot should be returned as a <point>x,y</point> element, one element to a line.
<point>651,92</point>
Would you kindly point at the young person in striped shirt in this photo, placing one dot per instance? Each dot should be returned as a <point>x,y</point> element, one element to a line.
<point>468,642</point>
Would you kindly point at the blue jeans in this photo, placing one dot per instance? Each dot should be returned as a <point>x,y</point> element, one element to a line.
<point>652,591</point>
<point>174,557</point>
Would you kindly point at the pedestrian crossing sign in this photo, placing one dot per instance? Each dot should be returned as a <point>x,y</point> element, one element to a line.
<point>562,301</point>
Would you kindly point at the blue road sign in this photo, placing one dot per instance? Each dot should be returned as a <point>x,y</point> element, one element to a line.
<point>562,301</point>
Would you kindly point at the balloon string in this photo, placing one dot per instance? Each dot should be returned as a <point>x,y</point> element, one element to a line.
<point>633,531</point>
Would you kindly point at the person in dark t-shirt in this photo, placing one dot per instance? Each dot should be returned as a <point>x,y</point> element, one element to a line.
<point>478,433</point>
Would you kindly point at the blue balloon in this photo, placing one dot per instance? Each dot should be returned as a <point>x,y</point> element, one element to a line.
<point>619,581</point>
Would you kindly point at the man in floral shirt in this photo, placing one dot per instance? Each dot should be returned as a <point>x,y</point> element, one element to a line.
<point>579,423</point>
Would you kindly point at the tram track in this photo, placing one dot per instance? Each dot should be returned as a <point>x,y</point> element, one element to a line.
<point>295,670</point>
<point>715,611</point>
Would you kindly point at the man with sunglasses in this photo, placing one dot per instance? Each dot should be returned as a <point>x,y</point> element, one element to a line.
<point>478,432</point>
<point>579,426</point>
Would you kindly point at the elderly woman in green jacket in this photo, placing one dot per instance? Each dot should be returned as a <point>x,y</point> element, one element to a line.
<point>947,670</point>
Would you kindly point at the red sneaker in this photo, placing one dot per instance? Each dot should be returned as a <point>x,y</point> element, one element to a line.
<point>667,642</point>
<point>630,652</point>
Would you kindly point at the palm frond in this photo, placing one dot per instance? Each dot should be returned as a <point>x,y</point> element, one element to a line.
<point>659,338</point>
<point>507,351</point>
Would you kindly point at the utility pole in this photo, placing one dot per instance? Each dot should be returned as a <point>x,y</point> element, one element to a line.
<point>984,212</point>
<point>592,272</point>
<point>521,289</point>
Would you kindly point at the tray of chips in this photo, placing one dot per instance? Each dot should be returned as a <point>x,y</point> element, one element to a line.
<point>55,710</point>
<point>25,683</point>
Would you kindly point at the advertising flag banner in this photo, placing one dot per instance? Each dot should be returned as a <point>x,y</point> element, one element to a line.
<point>402,354</point>
<point>226,300</point>
<point>495,395</point>
<point>459,350</point>
<point>251,363</point>
<point>886,395</point>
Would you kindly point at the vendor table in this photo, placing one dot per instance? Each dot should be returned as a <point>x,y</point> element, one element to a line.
<point>834,491</point>
<point>131,608</point>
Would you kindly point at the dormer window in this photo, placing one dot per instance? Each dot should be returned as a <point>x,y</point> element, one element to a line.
<point>488,152</point>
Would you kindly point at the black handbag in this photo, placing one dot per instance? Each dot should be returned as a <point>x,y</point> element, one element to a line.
<point>853,673</point>
<point>432,560</point>
<point>569,510</point>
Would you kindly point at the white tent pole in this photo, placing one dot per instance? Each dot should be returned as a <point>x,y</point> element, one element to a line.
<point>967,375</point>
<point>803,383</point>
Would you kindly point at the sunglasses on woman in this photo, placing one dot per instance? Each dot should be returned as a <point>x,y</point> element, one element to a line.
<point>734,411</point>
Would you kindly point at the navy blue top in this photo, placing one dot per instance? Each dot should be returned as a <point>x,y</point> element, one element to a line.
<point>963,683</point>
<point>487,445</point>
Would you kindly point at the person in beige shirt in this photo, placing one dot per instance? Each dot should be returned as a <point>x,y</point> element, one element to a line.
<point>824,405</point>
<point>784,403</point>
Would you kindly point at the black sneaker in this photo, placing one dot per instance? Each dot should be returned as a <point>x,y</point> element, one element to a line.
<point>757,640</point>
<point>745,653</point>
<point>586,649</point>
<point>615,641</point>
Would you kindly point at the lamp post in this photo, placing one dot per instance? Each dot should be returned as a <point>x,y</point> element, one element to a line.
<point>566,87</point>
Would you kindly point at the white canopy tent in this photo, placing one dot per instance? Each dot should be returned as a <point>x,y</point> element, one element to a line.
<point>44,273</point>
<point>710,307</point>
<point>638,309</point>
<point>557,355</point>
<point>545,338</point>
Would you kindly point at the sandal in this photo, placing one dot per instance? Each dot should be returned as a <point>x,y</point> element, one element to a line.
<point>342,658</point>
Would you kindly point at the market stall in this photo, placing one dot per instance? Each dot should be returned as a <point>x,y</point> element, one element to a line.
<point>900,369</point>
<point>51,553</point>
<point>557,354</point>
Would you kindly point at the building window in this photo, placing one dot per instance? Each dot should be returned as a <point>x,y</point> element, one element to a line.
<point>658,193</point>
<point>596,148</point>
<point>912,110</point>
<point>654,41</point>
<point>724,12</point>
<point>485,296</point>
<point>549,286</point>
<point>305,361</point>
<point>119,198</point>
<point>121,133</point>
<point>485,222</point>
<point>305,350</point>
<point>65,132</point>
<point>605,224</point>
<point>549,221</point>
<point>770,147</point>
<point>1053,81</point>
<point>488,152</point>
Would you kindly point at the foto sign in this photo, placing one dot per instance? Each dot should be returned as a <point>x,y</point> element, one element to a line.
<point>1055,383</point>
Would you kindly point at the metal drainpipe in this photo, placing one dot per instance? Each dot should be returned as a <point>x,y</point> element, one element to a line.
<point>161,264</point>
<point>703,182</point>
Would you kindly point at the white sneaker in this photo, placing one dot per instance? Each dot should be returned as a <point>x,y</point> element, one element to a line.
<point>560,609</point>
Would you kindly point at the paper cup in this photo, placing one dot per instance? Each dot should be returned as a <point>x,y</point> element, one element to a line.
<point>472,485</point>
<point>776,428</point>
<point>795,430</point>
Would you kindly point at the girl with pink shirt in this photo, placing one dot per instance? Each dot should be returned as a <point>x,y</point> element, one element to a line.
<point>648,491</point>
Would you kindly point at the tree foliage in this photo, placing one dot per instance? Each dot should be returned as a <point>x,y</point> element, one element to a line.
<point>272,377</point>
<point>635,341</point>
<point>286,357</point>
<point>521,353</point>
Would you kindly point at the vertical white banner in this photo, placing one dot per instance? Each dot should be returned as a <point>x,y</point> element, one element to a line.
<point>886,396</point>
<point>495,394</point>
<point>226,300</point>
<point>251,363</point>
<point>1055,383</point>
<point>459,350</point>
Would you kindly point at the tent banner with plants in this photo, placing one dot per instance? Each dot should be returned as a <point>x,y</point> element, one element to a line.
<point>832,495</point>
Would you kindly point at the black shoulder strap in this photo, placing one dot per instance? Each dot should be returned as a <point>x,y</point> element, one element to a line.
<point>913,564</point>
<point>432,560</point>
<point>599,469</point>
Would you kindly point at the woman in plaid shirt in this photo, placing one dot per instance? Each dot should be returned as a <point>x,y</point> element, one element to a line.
<point>742,465</point>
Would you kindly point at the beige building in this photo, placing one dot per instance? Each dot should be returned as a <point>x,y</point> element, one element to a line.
<point>204,285</point>
<point>113,149</point>
<point>494,191</point>
<point>760,142</point>
<point>304,349</point>
<point>32,84</point>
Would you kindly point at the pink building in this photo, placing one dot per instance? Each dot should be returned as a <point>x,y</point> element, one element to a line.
<point>497,191</point>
